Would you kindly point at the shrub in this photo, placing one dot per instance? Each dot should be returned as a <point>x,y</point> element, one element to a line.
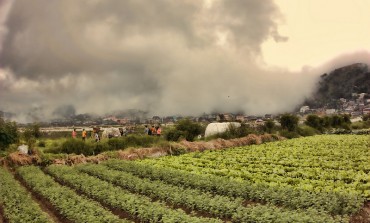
<point>173,135</point>
<point>41,144</point>
<point>77,146</point>
<point>269,126</point>
<point>307,131</point>
<point>116,143</point>
<point>289,122</point>
<point>234,132</point>
<point>189,129</point>
<point>100,147</point>
<point>8,133</point>
<point>289,134</point>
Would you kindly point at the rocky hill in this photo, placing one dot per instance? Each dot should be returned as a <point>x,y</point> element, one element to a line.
<point>340,83</point>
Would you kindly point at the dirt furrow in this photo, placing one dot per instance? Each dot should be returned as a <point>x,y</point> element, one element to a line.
<point>2,219</point>
<point>43,203</point>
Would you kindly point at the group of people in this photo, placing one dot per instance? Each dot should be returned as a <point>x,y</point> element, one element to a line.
<point>84,135</point>
<point>153,130</point>
<point>157,131</point>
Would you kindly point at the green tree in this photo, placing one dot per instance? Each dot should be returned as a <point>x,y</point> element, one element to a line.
<point>315,122</point>
<point>187,129</point>
<point>31,133</point>
<point>289,122</point>
<point>336,121</point>
<point>269,126</point>
<point>8,133</point>
<point>366,118</point>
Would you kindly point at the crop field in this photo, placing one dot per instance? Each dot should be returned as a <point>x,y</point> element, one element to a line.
<point>313,179</point>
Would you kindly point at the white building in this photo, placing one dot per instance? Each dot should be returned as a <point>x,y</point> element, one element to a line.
<point>304,109</point>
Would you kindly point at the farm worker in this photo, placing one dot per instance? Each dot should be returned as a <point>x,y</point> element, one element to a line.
<point>74,133</point>
<point>159,131</point>
<point>84,134</point>
<point>153,130</point>
<point>149,131</point>
<point>97,138</point>
<point>146,130</point>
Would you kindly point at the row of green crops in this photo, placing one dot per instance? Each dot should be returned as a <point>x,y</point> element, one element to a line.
<point>70,205</point>
<point>194,199</point>
<point>138,206</point>
<point>17,203</point>
<point>321,163</point>
<point>330,202</point>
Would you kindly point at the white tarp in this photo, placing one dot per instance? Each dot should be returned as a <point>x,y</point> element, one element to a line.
<point>215,128</point>
<point>23,149</point>
<point>113,132</point>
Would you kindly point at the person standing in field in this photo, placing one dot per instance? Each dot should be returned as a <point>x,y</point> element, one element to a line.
<point>84,134</point>
<point>74,133</point>
<point>146,130</point>
<point>159,131</point>
<point>153,130</point>
<point>97,138</point>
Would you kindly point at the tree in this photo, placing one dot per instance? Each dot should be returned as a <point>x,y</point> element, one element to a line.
<point>366,117</point>
<point>8,133</point>
<point>185,128</point>
<point>269,126</point>
<point>289,122</point>
<point>315,122</point>
<point>31,133</point>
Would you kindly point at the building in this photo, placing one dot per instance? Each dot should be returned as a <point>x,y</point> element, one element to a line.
<point>304,109</point>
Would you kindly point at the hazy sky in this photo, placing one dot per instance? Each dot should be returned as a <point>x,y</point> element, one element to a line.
<point>173,57</point>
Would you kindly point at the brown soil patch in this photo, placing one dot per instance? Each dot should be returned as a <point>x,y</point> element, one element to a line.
<point>2,218</point>
<point>363,216</point>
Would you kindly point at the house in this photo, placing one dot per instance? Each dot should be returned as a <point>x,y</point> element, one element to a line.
<point>366,111</point>
<point>239,118</point>
<point>303,109</point>
<point>157,119</point>
<point>330,111</point>
<point>356,114</point>
<point>269,116</point>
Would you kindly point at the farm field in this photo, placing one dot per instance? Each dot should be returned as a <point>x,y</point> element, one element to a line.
<point>312,179</point>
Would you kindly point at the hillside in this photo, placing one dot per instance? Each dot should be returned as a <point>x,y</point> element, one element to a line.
<point>340,83</point>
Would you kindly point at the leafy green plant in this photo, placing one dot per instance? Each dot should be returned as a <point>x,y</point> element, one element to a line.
<point>138,206</point>
<point>17,202</point>
<point>72,206</point>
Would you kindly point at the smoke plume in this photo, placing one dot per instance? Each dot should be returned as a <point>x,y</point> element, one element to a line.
<point>162,56</point>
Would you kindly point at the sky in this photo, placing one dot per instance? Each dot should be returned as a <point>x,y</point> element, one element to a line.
<point>172,57</point>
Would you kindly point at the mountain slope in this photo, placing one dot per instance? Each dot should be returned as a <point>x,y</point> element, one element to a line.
<point>340,83</point>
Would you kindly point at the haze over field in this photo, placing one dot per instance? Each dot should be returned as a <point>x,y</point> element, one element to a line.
<point>173,57</point>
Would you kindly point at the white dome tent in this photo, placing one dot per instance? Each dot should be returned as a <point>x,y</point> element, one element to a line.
<point>216,128</point>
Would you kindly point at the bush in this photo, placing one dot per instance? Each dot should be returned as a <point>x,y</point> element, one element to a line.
<point>289,122</point>
<point>269,126</point>
<point>173,135</point>
<point>189,129</point>
<point>77,146</point>
<point>8,133</point>
<point>234,132</point>
<point>289,134</point>
<point>99,147</point>
<point>307,131</point>
<point>41,144</point>
<point>361,125</point>
<point>141,141</point>
<point>116,143</point>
